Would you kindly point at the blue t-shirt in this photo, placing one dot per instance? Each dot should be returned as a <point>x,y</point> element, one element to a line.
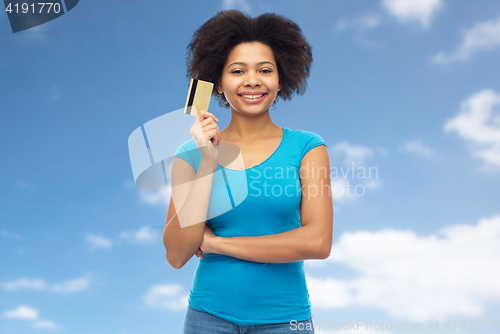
<point>246,292</point>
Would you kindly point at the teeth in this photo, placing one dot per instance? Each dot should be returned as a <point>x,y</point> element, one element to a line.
<point>252,96</point>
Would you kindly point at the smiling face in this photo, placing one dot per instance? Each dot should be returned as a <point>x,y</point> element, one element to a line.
<point>250,80</point>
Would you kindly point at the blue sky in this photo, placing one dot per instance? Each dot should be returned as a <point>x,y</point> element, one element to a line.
<point>409,87</point>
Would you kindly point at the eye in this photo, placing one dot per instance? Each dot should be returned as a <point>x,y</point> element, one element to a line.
<point>267,71</point>
<point>236,71</point>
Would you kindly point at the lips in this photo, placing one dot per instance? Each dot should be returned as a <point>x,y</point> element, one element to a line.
<point>248,92</point>
<point>251,93</point>
<point>252,100</point>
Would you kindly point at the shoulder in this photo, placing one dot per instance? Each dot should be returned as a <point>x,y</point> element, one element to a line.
<point>189,152</point>
<point>306,140</point>
<point>186,146</point>
<point>304,135</point>
<point>310,135</point>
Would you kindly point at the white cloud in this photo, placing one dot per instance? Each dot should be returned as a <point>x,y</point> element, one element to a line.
<point>453,272</point>
<point>167,296</point>
<point>11,235</point>
<point>347,190</point>
<point>155,197</point>
<point>71,286</point>
<point>410,11</point>
<point>344,190</point>
<point>145,235</point>
<point>24,283</point>
<point>22,312</point>
<point>96,241</point>
<point>360,22</point>
<point>339,190</point>
<point>68,286</point>
<point>350,182</point>
<point>417,147</point>
<point>357,154</point>
<point>482,36</point>
<point>45,324</point>
<point>241,5</point>
<point>27,313</point>
<point>479,125</point>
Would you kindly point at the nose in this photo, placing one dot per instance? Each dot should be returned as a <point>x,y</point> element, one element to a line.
<point>252,79</point>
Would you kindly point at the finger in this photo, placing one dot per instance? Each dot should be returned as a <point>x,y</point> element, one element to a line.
<point>208,120</point>
<point>203,114</point>
<point>216,136</point>
<point>209,135</point>
<point>213,136</point>
<point>208,114</point>
<point>210,126</point>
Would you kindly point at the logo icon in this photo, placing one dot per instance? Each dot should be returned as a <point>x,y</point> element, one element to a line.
<point>26,14</point>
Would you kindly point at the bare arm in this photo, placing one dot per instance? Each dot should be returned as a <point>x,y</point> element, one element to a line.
<point>313,240</point>
<point>183,232</point>
<point>190,190</point>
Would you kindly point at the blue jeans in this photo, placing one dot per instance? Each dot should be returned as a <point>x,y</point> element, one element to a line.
<point>199,322</point>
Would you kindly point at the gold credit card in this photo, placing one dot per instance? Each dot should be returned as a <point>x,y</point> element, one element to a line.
<point>198,98</point>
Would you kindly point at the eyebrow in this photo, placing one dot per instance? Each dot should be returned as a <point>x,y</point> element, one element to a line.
<point>241,63</point>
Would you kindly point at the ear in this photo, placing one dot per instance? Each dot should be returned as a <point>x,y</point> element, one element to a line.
<point>219,89</point>
<point>279,87</point>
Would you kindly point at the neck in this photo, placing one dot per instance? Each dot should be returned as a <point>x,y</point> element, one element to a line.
<point>248,128</point>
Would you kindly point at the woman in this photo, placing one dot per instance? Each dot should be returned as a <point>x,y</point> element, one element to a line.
<point>250,276</point>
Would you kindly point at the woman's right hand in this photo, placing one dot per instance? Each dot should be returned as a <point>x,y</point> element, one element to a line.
<point>206,135</point>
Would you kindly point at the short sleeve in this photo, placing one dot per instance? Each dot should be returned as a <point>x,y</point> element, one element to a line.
<point>189,153</point>
<point>311,140</point>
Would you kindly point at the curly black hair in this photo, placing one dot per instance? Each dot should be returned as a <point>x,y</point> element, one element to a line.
<point>208,51</point>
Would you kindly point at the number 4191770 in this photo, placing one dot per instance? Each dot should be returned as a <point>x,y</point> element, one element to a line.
<point>25,8</point>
